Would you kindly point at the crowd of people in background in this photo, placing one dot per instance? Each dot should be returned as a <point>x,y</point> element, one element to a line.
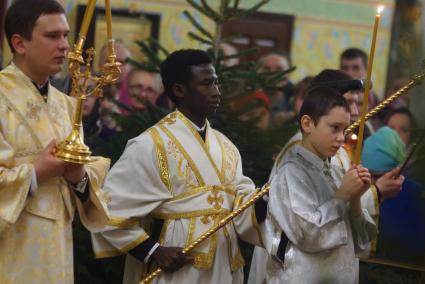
<point>307,227</point>
<point>136,88</point>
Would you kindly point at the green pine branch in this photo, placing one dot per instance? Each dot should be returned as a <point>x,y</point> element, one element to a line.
<point>215,16</point>
<point>156,45</point>
<point>196,37</point>
<point>149,52</point>
<point>239,13</point>
<point>205,10</point>
<point>148,66</point>
<point>197,25</point>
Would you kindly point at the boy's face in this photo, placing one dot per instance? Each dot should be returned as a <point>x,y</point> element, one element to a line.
<point>326,136</point>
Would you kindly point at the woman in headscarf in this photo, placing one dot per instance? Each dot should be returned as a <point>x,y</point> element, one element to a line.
<point>402,219</point>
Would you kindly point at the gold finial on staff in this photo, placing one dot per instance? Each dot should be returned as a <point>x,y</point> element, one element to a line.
<point>73,148</point>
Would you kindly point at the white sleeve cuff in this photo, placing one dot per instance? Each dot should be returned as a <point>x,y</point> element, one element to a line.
<point>152,250</point>
<point>33,185</point>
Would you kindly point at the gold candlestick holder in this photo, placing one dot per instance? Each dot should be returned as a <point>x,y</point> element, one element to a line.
<point>73,148</point>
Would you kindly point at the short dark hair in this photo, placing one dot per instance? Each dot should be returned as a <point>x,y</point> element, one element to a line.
<point>320,101</point>
<point>330,75</point>
<point>23,14</point>
<point>177,68</point>
<point>353,53</point>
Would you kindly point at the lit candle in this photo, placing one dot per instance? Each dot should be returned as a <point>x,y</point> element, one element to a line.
<point>367,89</point>
<point>88,14</point>
<point>108,19</point>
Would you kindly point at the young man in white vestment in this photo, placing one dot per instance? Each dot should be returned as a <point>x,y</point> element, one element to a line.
<point>389,185</point>
<point>38,192</point>
<point>317,205</point>
<point>175,181</point>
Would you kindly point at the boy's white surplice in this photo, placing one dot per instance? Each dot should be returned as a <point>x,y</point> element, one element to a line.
<point>170,173</point>
<point>323,238</point>
<point>369,200</point>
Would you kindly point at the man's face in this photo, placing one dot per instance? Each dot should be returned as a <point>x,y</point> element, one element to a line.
<point>201,95</point>
<point>354,67</point>
<point>142,87</point>
<point>325,137</point>
<point>122,53</point>
<point>275,63</point>
<point>45,53</point>
<point>352,98</point>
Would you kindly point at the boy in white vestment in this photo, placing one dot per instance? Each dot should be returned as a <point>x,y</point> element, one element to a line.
<point>315,204</point>
<point>389,185</point>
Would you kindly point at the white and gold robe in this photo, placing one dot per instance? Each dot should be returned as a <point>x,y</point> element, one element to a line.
<point>36,229</point>
<point>341,159</point>
<point>170,173</point>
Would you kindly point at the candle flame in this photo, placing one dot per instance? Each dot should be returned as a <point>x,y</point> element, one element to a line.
<point>380,9</point>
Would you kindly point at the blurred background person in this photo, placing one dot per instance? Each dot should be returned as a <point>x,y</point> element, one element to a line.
<point>117,91</point>
<point>254,107</point>
<point>402,218</point>
<point>122,55</point>
<point>403,122</point>
<point>354,62</point>
<point>143,88</point>
<point>95,124</point>
<point>395,85</point>
<point>300,91</point>
<point>282,99</point>
<point>401,102</point>
<point>229,50</point>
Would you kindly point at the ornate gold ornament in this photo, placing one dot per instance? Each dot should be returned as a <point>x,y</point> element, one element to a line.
<point>73,148</point>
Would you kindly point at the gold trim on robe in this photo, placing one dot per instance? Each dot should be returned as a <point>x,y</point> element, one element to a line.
<point>202,195</point>
<point>161,155</point>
